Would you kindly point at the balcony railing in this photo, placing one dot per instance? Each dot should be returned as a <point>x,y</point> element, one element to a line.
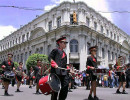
<point>74,55</point>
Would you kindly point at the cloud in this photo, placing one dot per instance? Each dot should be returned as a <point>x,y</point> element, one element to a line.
<point>6,30</point>
<point>98,5</point>
<point>48,7</point>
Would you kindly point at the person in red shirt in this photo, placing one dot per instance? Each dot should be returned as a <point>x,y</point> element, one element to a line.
<point>7,65</point>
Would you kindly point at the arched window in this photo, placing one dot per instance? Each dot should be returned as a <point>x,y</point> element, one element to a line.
<point>73,45</point>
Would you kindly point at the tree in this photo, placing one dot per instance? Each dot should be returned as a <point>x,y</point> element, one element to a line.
<point>16,64</point>
<point>32,60</point>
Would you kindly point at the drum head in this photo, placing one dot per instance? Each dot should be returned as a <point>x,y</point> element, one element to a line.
<point>54,82</point>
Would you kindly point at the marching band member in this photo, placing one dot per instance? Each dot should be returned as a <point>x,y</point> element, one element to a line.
<point>19,77</point>
<point>31,77</point>
<point>92,64</point>
<point>70,76</point>
<point>122,79</point>
<point>7,65</point>
<point>58,59</point>
<point>38,75</point>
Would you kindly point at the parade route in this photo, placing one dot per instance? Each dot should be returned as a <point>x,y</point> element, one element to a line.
<point>77,94</point>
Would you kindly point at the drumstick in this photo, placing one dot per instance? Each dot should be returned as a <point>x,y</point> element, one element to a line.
<point>63,68</point>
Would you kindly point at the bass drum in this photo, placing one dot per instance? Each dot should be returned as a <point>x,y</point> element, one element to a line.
<point>9,75</point>
<point>50,83</point>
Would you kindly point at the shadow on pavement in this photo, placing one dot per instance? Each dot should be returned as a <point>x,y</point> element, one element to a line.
<point>87,99</point>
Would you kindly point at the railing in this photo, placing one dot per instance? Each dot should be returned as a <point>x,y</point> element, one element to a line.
<point>74,55</point>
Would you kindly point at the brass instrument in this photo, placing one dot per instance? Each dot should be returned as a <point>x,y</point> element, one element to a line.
<point>42,70</point>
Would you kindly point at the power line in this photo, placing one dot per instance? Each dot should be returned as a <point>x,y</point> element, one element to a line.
<point>40,9</point>
<point>24,8</point>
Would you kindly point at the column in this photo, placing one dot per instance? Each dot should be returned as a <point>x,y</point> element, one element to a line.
<point>67,50</point>
<point>82,52</point>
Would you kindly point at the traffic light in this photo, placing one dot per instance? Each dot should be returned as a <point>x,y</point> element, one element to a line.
<point>74,17</point>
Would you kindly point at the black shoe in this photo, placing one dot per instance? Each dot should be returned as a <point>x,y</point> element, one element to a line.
<point>96,98</point>
<point>30,87</point>
<point>18,90</point>
<point>3,87</point>
<point>124,92</point>
<point>6,94</point>
<point>118,92</point>
<point>87,88</point>
<point>90,97</point>
<point>37,92</point>
<point>70,90</point>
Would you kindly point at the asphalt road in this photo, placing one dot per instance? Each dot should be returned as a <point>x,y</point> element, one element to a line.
<point>77,94</point>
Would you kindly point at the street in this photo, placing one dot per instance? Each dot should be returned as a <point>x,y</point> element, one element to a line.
<point>77,94</point>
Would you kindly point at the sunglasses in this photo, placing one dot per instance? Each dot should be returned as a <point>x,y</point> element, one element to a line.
<point>94,50</point>
<point>10,56</point>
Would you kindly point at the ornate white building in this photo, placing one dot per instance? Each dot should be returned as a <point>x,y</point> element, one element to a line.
<point>39,36</point>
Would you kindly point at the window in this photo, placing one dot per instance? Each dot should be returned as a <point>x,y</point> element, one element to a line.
<point>109,58</point>
<point>10,43</point>
<point>17,58</point>
<point>114,36</point>
<point>26,56</point>
<point>95,26</point>
<point>111,35</point>
<point>103,53</point>
<point>101,29</point>
<point>71,19</point>
<point>30,53</point>
<point>27,36</point>
<point>117,38</point>
<point>41,50</point>
<point>37,50</point>
<point>13,42</point>
<point>50,25</point>
<point>19,39</point>
<point>16,41</point>
<point>87,21</point>
<point>116,55</point>
<point>58,21</point>
<point>23,38</point>
<point>73,45</point>
<point>112,56</point>
<point>49,49</point>
<point>21,57</point>
<point>88,46</point>
<point>107,33</point>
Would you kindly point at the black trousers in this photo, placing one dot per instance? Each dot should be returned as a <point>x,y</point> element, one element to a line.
<point>64,88</point>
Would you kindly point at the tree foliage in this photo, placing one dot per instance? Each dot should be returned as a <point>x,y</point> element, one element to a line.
<point>32,60</point>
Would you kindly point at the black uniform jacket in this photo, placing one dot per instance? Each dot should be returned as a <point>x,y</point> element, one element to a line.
<point>92,62</point>
<point>57,56</point>
<point>8,67</point>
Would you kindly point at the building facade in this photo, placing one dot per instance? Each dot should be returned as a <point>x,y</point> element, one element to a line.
<point>91,29</point>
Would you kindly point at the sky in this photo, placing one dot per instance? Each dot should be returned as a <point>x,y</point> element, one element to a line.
<point>11,19</point>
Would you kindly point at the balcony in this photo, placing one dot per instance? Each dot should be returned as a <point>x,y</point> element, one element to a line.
<point>74,55</point>
<point>111,62</point>
<point>99,59</point>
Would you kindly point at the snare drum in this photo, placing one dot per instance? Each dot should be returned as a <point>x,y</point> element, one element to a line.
<point>9,75</point>
<point>50,83</point>
<point>100,71</point>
